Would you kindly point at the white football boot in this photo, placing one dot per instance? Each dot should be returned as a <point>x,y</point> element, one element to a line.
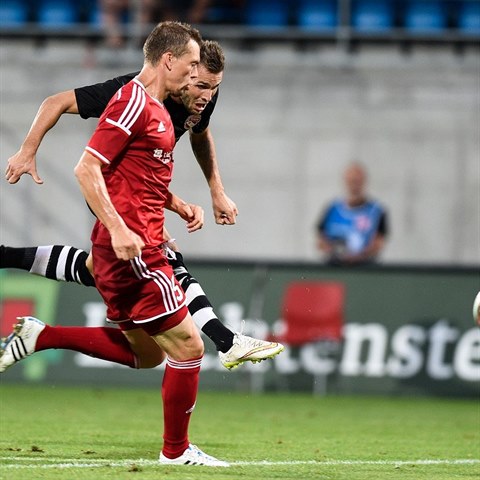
<point>193,456</point>
<point>248,349</point>
<point>21,342</point>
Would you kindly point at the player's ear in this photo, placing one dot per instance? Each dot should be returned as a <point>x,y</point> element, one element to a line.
<point>167,58</point>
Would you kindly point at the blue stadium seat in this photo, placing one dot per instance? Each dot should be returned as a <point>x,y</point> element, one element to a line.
<point>225,12</point>
<point>267,13</point>
<point>372,15</point>
<point>56,13</point>
<point>13,13</point>
<point>469,17</point>
<point>95,17</point>
<point>317,14</point>
<point>425,16</point>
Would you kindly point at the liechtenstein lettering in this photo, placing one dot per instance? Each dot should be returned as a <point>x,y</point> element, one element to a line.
<point>442,351</point>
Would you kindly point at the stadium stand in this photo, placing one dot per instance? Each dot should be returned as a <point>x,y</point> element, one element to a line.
<point>13,13</point>
<point>468,20</point>
<point>317,14</point>
<point>57,13</point>
<point>426,16</point>
<point>372,15</point>
<point>267,13</point>
<point>348,22</point>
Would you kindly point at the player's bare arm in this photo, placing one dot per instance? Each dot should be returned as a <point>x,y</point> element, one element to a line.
<point>126,243</point>
<point>51,109</point>
<point>203,146</point>
<point>191,213</point>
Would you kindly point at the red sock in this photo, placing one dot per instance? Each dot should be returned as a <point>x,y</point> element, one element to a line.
<point>179,393</point>
<point>106,343</point>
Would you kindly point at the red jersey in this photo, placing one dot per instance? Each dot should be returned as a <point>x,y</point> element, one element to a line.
<point>135,140</point>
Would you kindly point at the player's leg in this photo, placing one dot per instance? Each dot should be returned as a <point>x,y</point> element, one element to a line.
<point>65,263</point>
<point>163,314</point>
<point>234,348</point>
<point>56,262</point>
<point>184,349</point>
<point>132,347</point>
<point>147,351</point>
<point>70,264</point>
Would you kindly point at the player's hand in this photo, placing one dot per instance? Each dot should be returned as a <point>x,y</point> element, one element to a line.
<point>19,164</point>
<point>125,243</point>
<point>224,209</point>
<point>197,220</point>
<point>193,215</point>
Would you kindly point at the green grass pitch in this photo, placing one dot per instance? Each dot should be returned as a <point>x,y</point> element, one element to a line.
<point>51,432</point>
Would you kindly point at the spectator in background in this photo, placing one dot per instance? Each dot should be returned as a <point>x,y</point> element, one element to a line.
<point>202,11</point>
<point>352,230</point>
<point>114,13</point>
<point>191,11</point>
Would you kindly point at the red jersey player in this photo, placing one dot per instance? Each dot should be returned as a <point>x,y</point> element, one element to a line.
<point>134,141</point>
<point>124,175</point>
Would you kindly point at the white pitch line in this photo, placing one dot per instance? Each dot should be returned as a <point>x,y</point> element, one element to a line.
<point>92,463</point>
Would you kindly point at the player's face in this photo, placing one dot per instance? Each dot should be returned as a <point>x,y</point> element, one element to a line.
<point>184,69</point>
<point>197,95</point>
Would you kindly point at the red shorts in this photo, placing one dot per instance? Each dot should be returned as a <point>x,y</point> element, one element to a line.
<point>141,290</point>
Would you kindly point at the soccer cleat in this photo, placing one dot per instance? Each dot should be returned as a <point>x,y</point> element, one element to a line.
<point>193,456</point>
<point>248,349</point>
<point>21,342</point>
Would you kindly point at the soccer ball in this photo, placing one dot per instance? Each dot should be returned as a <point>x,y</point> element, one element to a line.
<point>476,309</point>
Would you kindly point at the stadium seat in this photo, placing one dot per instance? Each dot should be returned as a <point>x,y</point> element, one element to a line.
<point>267,13</point>
<point>317,14</point>
<point>13,13</point>
<point>313,313</point>
<point>469,17</point>
<point>372,15</point>
<point>425,16</point>
<point>56,13</point>
<point>225,12</point>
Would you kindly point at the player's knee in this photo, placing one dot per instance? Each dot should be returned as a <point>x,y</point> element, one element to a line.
<point>197,349</point>
<point>150,360</point>
<point>191,348</point>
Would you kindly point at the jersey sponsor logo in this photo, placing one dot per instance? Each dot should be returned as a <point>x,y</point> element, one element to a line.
<point>161,127</point>
<point>164,157</point>
<point>191,121</point>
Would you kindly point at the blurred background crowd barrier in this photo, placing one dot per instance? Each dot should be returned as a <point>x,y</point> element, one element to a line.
<point>390,331</point>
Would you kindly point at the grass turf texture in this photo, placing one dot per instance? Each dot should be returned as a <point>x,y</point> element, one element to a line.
<point>84,433</point>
